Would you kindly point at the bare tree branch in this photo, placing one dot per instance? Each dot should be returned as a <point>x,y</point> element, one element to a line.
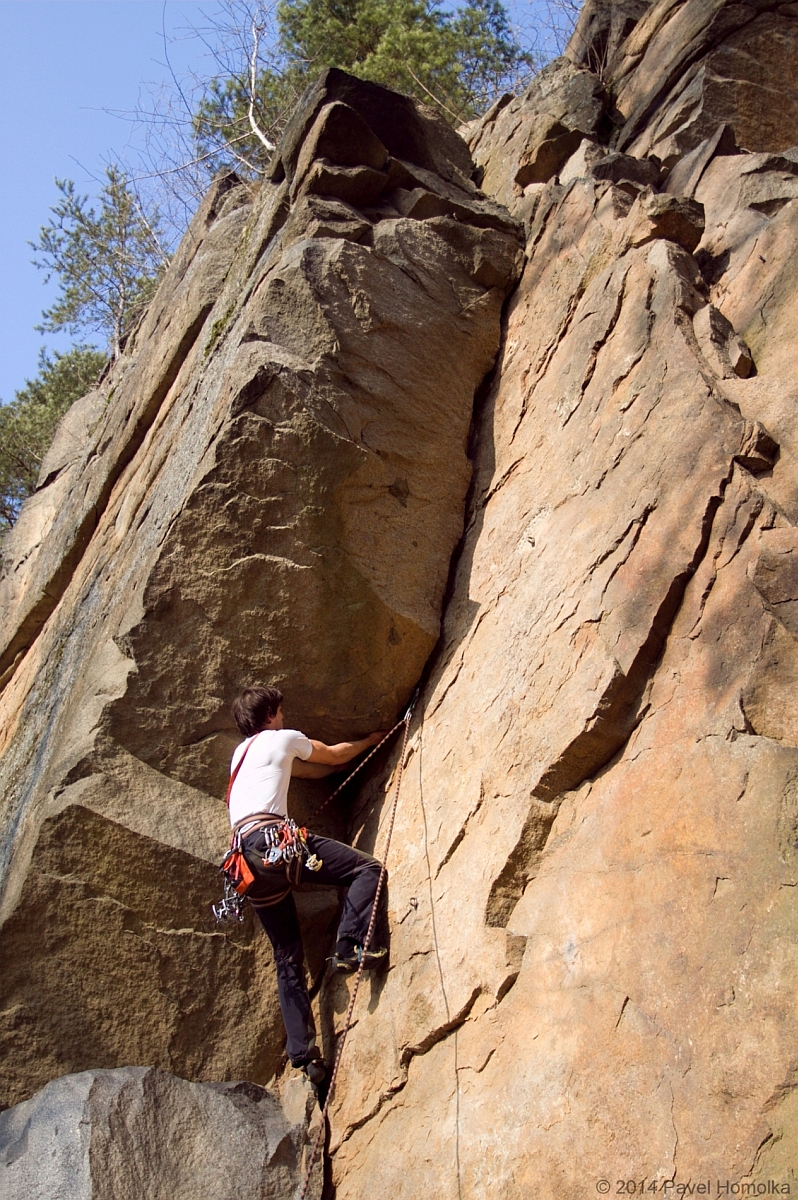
<point>270,146</point>
<point>233,114</point>
<point>432,96</point>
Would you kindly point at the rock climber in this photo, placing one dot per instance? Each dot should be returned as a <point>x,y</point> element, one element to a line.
<point>261,768</point>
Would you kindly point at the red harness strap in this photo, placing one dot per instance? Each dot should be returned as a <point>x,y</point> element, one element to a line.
<point>235,866</point>
<point>239,765</point>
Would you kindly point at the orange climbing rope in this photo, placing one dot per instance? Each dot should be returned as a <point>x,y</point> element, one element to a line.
<point>360,766</point>
<point>406,719</point>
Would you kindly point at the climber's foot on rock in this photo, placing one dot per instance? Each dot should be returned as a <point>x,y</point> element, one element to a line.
<point>348,960</point>
<point>312,1065</point>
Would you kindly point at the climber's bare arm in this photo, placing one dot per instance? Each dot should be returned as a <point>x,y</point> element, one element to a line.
<point>302,769</point>
<point>342,752</point>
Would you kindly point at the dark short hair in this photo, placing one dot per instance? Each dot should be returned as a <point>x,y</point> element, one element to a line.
<point>255,707</point>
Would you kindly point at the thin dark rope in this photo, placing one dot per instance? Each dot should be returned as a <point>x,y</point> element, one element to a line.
<point>348,1022</point>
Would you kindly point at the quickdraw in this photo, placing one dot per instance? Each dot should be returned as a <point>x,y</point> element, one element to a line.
<point>238,878</point>
<point>285,842</point>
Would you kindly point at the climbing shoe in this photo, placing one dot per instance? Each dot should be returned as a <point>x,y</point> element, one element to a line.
<point>311,1063</point>
<point>349,962</point>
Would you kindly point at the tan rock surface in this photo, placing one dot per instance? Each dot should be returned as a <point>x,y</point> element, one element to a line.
<point>527,139</point>
<point>607,500</point>
<point>676,70</point>
<point>269,484</point>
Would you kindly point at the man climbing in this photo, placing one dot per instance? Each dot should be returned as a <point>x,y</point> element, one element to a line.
<point>258,799</point>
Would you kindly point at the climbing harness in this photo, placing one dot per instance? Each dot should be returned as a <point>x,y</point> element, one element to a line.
<point>406,719</point>
<point>265,860</point>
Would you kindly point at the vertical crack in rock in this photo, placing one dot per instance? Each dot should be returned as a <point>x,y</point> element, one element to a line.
<point>625,575</point>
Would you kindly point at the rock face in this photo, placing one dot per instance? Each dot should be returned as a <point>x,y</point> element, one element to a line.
<point>269,484</point>
<point>137,1131</point>
<point>678,70</point>
<point>593,931</point>
<point>530,138</point>
<point>112,956</point>
<point>591,913</point>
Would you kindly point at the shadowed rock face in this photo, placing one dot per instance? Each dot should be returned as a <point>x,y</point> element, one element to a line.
<point>593,869</point>
<point>112,955</point>
<point>268,485</point>
<point>677,70</point>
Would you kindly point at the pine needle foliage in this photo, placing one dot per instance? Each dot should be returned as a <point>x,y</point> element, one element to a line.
<point>28,422</point>
<point>108,260</point>
<point>457,62</point>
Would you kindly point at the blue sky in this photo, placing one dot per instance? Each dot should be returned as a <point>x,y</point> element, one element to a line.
<point>66,66</point>
<point>62,64</point>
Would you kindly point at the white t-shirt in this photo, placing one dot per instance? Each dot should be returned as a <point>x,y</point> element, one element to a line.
<point>262,783</point>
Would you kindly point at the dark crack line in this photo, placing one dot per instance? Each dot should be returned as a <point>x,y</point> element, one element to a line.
<point>463,831</point>
<point>504,478</point>
<point>408,1054</point>
<point>385,1098</point>
<point>598,345</point>
<point>635,527</point>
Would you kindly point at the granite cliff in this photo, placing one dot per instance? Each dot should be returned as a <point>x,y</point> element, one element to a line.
<point>513,414</point>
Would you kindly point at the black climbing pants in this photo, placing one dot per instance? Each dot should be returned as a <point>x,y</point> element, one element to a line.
<point>345,867</point>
